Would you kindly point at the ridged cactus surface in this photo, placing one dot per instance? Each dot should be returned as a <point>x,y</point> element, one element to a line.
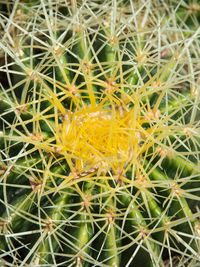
<point>99,133</point>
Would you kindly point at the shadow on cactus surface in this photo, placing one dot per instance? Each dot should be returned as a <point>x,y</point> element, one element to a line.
<point>99,133</point>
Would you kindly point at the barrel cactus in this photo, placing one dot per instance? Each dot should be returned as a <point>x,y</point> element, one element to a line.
<point>99,133</point>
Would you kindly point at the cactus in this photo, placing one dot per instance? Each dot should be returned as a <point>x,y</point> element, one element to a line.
<point>99,133</point>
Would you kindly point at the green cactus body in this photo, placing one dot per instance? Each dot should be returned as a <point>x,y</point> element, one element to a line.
<point>99,133</point>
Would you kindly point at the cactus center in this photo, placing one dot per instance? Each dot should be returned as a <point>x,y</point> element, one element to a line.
<point>97,136</point>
